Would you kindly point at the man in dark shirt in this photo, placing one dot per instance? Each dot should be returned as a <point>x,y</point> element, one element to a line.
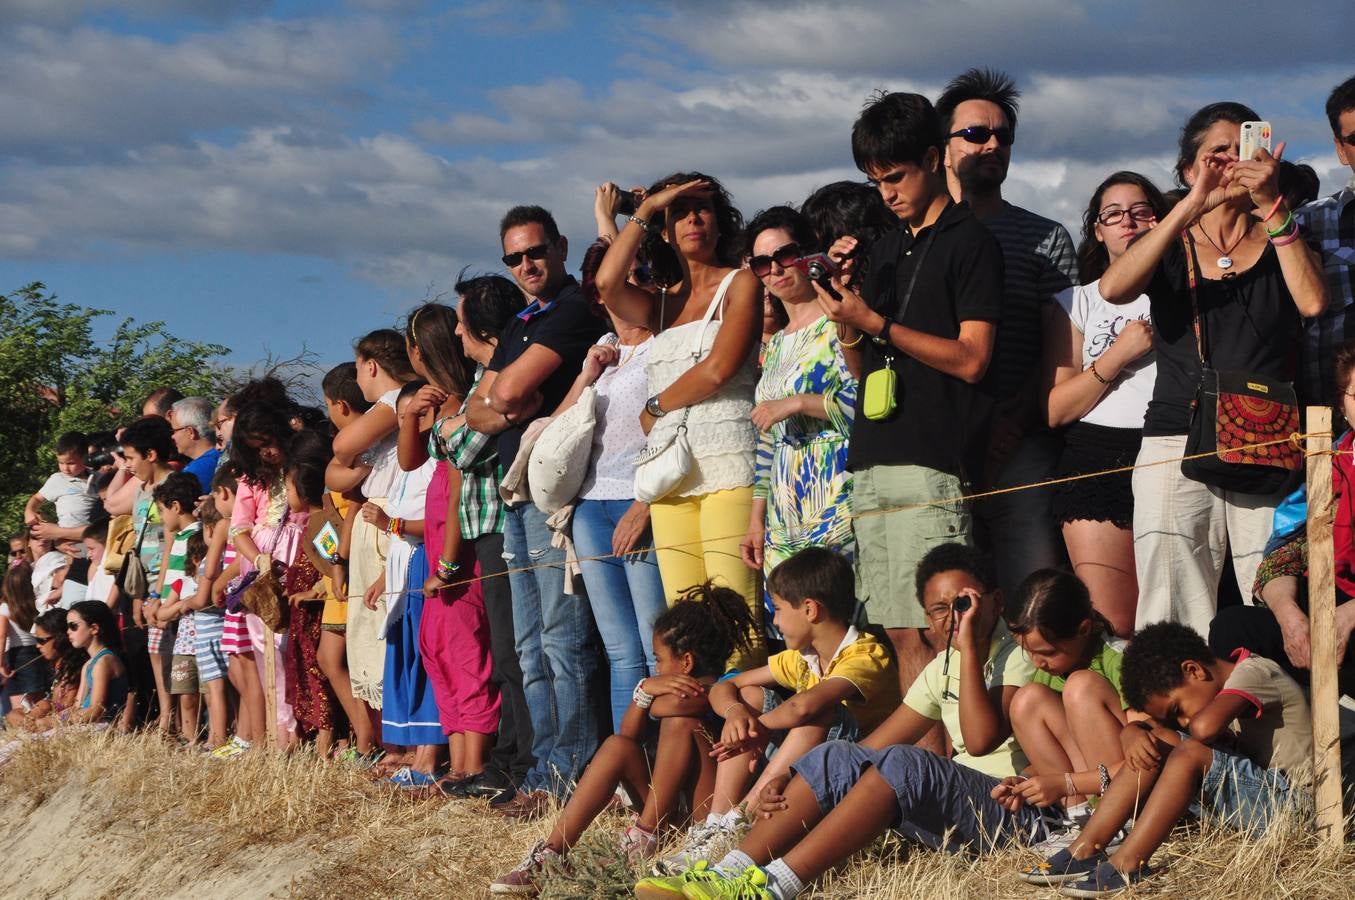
<point>537,359</point>
<point>978,113</point>
<point>927,310</point>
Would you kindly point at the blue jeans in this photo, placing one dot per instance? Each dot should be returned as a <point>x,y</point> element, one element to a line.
<point>626,596</point>
<point>1243,796</point>
<point>553,632</point>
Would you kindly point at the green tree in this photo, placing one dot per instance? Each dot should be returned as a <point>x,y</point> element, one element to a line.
<point>55,376</point>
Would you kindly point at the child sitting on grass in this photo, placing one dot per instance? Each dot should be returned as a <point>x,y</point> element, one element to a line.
<point>1068,719</point>
<point>692,641</point>
<point>845,795</point>
<point>92,627</point>
<point>1249,705</point>
<point>832,682</point>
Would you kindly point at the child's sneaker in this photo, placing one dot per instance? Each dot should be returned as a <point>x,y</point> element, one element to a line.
<point>408,779</point>
<point>1061,867</point>
<point>638,844</point>
<point>670,887</point>
<point>750,884</point>
<point>1105,880</point>
<point>700,843</point>
<point>523,880</point>
<point>231,749</point>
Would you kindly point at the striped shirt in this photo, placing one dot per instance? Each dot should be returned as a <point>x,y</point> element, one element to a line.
<point>1329,229</point>
<point>476,455</point>
<point>1040,263</point>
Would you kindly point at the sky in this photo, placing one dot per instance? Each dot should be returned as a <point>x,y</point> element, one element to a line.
<point>268,175</point>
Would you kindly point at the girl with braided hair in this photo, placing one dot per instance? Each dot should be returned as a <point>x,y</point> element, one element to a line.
<point>692,642</point>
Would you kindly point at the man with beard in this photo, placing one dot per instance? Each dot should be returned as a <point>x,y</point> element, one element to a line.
<point>978,114</point>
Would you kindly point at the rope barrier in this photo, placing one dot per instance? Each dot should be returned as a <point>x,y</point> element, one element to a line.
<point>1295,439</point>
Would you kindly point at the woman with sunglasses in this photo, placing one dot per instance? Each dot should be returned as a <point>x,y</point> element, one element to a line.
<point>91,627</point>
<point>1099,374</point>
<point>702,371</point>
<point>805,402</point>
<point>66,662</point>
<point>1232,250</point>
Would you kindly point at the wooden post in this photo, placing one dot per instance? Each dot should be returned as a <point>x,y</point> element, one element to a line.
<point>270,687</point>
<point>1325,695</point>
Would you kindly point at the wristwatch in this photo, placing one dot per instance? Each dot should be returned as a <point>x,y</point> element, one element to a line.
<point>882,338</point>
<point>653,408</point>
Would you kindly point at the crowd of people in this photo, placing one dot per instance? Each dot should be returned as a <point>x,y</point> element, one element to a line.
<point>737,526</point>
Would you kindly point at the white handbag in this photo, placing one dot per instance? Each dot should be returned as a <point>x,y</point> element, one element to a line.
<point>559,460</point>
<point>665,461</point>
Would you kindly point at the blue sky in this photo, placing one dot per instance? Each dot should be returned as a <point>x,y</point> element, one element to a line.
<point>266,174</point>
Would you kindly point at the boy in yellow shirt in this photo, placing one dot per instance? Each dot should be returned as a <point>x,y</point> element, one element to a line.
<point>832,682</point>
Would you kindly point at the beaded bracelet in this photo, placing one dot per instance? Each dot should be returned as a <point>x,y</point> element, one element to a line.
<point>640,697</point>
<point>1095,374</point>
<point>396,526</point>
<point>447,568</point>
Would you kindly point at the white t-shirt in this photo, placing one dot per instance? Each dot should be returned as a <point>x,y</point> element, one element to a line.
<point>622,390</point>
<point>18,637</point>
<point>44,573</point>
<point>383,457</point>
<point>1126,400</point>
<point>73,496</point>
<point>100,584</point>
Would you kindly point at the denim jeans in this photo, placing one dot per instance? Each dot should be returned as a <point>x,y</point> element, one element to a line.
<point>626,596</point>
<point>553,632</point>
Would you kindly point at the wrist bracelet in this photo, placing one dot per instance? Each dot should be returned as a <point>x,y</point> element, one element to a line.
<point>640,697</point>
<point>1286,239</point>
<point>639,221</point>
<point>1105,777</point>
<point>725,713</point>
<point>1284,226</point>
<point>447,568</point>
<point>1068,784</point>
<point>1279,201</point>
<point>860,336</point>
<point>1096,374</point>
<point>395,527</point>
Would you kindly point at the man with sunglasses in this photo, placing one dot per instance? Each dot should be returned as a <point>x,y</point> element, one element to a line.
<point>1329,228</point>
<point>978,112</point>
<point>538,356</point>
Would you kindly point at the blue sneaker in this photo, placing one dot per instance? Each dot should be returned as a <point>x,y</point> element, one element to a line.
<point>407,779</point>
<point>1105,880</point>
<point>1061,867</point>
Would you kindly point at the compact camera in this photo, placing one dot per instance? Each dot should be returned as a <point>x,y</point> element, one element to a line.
<point>819,268</point>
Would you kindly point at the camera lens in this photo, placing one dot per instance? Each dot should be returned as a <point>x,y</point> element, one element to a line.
<point>961,603</point>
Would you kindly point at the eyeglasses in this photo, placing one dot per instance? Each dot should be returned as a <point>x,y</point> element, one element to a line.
<point>513,260</point>
<point>1348,139</point>
<point>180,428</point>
<point>979,134</point>
<point>783,256</point>
<point>222,421</point>
<point>1114,215</point>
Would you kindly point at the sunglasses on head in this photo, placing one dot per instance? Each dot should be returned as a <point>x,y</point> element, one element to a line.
<point>513,260</point>
<point>979,134</point>
<point>783,256</point>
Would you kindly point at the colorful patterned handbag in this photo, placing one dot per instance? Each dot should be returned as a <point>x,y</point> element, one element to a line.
<point>1240,422</point>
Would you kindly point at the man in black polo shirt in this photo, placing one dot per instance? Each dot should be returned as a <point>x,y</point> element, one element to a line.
<point>536,361</point>
<point>978,113</point>
<point>937,339</point>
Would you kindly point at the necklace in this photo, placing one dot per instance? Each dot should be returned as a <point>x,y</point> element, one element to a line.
<point>1225,260</point>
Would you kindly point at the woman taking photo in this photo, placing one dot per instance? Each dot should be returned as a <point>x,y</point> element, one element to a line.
<point>1252,281</point>
<point>805,400</point>
<point>1100,374</point>
<point>702,372</point>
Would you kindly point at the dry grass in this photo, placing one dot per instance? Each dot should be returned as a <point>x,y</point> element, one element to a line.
<point>148,819</point>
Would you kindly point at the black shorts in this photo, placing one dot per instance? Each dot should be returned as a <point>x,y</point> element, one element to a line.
<point>1106,498</point>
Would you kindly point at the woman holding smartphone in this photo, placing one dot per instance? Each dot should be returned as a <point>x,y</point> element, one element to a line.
<point>702,371</point>
<point>1253,279</point>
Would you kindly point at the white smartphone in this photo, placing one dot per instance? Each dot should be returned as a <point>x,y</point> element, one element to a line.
<point>1255,135</point>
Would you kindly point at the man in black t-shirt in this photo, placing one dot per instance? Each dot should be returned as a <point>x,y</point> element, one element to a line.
<point>927,311</point>
<point>537,359</point>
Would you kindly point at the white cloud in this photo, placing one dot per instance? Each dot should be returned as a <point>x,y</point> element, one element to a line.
<point>65,12</point>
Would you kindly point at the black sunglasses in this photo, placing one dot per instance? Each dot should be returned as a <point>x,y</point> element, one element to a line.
<point>1348,139</point>
<point>979,134</point>
<point>73,625</point>
<point>783,256</point>
<point>41,641</point>
<point>513,260</point>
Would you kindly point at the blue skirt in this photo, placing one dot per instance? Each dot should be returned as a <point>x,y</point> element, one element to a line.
<point>409,713</point>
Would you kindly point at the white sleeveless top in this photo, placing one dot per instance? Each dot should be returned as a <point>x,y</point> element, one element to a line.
<point>719,429</point>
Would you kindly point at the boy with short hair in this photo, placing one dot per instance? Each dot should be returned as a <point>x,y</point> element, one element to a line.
<point>1250,705</point>
<point>208,626</point>
<point>147,446</point>
<point>68,489</point>
<point>859,790</point>
<point>177,498</point>
<point>837,683</point>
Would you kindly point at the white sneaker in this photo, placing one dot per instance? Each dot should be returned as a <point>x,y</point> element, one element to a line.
<point>700,843</point>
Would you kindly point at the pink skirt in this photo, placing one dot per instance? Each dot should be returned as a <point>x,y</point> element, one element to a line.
<point>235,635</point>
